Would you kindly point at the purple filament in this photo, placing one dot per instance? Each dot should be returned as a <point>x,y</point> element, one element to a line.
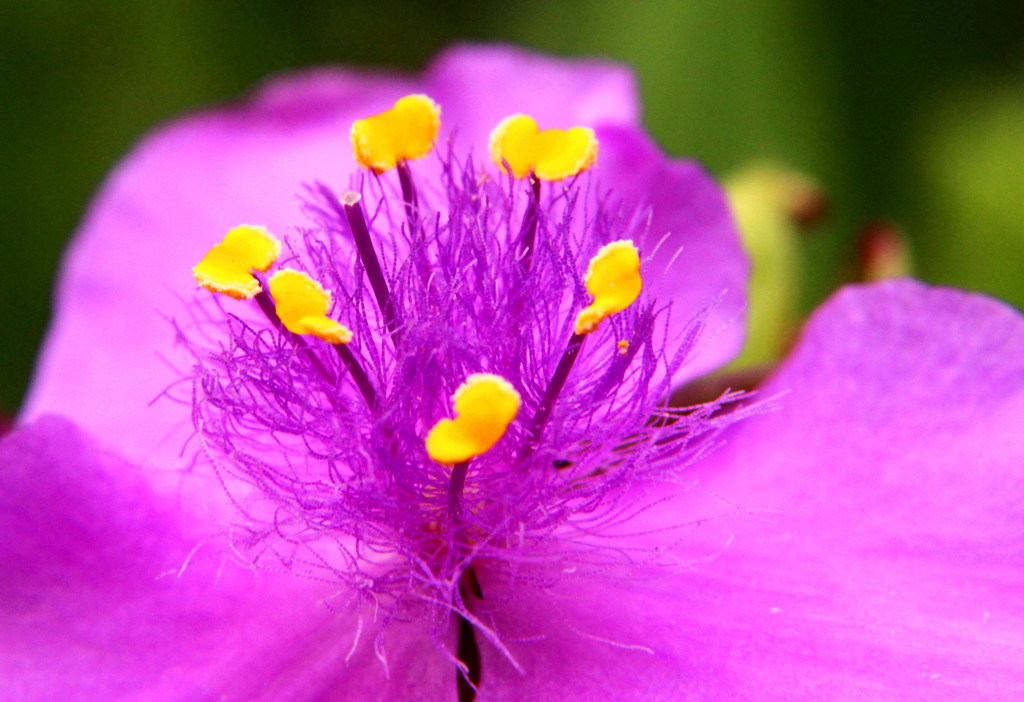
<point>353,211</point>
<point>266,303</point>
<point>412,208</point>
<point>555,385</point>
<point>455,487</point>
<point>528,233</point>
<point>359,376</point>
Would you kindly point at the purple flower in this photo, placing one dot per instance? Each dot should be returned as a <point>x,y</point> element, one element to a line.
<point>858,540</point>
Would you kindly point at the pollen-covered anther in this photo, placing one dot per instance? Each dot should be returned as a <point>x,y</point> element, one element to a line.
<point>405,132</point>
<point>227,267</point>
<point>484,407</point>
<point>302,305</point>
<point>613,278</point>
<point>552,154</point>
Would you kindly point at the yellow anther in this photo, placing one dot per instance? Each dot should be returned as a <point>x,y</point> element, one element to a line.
<point>613,278</point>
<point>623,347</point>
<point>484,407</point>
<point>302,306</point>
<point>407,131</point>
<point>227,267</point>
<point>553,154</point>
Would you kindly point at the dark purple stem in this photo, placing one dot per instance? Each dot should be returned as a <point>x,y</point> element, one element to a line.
<point>455,486</point>
<point>528,232</point>
<point>353,211</point>
<point>268,308</point>
<point>412,208</point>
<point>362,380</point>
<point>266,303</point>
<point>555,386</point>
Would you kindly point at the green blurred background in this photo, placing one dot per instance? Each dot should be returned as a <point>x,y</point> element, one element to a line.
<point>912,110</point>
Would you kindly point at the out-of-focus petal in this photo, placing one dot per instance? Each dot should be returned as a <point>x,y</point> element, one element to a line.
<point>696,259</point>
<point>478,86</point>
<point>96,604</point>
<point>887,561</point>
<point>169,201</point>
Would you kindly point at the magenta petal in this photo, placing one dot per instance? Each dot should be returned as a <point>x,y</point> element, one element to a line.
<point>694,252</point>
<point>92,606</point>
<point>888,561</point>
<point>104,358</point>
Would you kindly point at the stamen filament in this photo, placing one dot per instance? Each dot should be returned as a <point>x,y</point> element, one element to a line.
<point>412,208</point>
<point>362,380</point>
<point>353,211</point>
<point>528,232</point>
<point>359,376</point>
<point>552,391</point>
<point>455,487</point>
<point>266,304</point>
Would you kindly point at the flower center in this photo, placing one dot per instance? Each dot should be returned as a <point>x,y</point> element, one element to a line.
<point>456,383</point>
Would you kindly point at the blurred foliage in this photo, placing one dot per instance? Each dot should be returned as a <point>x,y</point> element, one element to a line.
<point>910,109</point>
<point>971,164</point>
<point>773,207</point>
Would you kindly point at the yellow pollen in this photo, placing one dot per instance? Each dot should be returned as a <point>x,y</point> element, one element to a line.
<point>553,154</point>
<point>227,267</point>
<point>623,347</point>
<point>405,132</point>
<point>484,407</point>
<point>302,306</point>
<point>613,278</point>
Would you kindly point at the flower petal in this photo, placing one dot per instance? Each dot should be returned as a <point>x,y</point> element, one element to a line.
<point>696,258</point>
<point>93,606</point>
<point>104,362</point>
<point>887,564</point>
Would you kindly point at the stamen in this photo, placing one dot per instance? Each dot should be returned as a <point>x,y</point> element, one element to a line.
<point>484,407</point>
<point>267,306</point>
<point>456,484</point>
<point>528,232</point>
<point>302,304</point>
<point>405,132</point>
<point>412,207</point>
<point>613,278</point>
<point>359,376</point>
<point>227,267</point>
<point>266,302</point>
<point>350,201</point>
<point>555,385</point>
<point>554,154</point>
<point>328,468</point>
